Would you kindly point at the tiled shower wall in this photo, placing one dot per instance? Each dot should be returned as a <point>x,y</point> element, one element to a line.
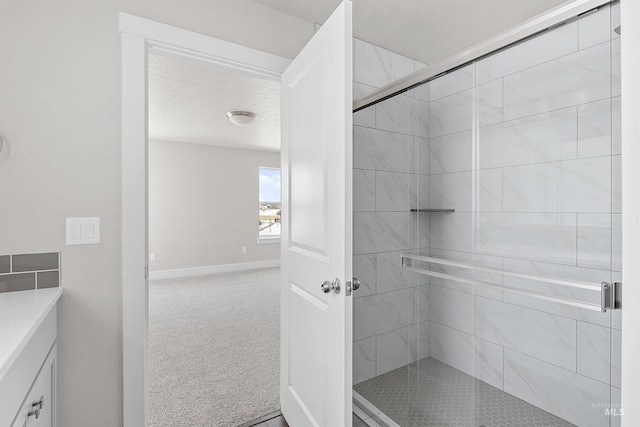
<point>525,145</point>
<point>390,177</point>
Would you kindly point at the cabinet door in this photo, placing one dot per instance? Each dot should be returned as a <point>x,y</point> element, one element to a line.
<point>23,415</point>
<point>43,393</point>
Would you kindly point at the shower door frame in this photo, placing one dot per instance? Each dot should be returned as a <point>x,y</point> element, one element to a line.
<point>500,41</point>
<point>630,69</point>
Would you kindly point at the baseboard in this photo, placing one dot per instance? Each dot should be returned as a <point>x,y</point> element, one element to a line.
<point>212,269</point>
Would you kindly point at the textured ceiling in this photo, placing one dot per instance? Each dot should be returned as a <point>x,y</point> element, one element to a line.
<point>424,30</point>
<point>188,101</point>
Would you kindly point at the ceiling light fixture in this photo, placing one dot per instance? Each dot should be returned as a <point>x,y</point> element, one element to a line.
<point>241,118</point>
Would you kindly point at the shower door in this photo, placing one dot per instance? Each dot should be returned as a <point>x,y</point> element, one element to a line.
<point>484,250</point>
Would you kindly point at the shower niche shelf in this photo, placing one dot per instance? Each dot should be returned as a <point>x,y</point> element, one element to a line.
<point>433,210</point>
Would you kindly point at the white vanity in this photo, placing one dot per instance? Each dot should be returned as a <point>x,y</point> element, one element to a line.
<point>28,351</point>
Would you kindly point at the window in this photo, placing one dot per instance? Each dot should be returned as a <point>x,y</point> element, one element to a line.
<point>269,204</point>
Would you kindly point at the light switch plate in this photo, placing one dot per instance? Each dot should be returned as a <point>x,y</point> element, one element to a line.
<point>83,231</point>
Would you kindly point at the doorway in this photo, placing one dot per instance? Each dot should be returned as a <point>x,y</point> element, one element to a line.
<point>141,37</point>
<point>214,291</point>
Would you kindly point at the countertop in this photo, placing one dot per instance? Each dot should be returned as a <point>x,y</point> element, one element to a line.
<point>21,314</point>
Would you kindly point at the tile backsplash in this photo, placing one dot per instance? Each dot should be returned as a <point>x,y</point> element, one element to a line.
<point>5,264</point>
<point>23,272</point>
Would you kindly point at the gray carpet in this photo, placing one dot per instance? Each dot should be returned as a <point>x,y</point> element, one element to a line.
<point>214,349</point>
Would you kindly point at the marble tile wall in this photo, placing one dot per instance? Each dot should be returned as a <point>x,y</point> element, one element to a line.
<point>525,145</point>
<point>390,177</point>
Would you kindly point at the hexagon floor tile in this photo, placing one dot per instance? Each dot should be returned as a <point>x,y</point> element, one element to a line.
<point>429,393</point>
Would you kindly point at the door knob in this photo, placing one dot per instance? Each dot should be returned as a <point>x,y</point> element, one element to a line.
<point>356,284</point>
<point>328,286</point>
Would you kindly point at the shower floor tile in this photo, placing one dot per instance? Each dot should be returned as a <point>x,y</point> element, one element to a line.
<point>431,393</point>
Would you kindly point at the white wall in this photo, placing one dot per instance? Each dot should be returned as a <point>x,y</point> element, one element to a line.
<point>60,82</point>
<point>203,205</point>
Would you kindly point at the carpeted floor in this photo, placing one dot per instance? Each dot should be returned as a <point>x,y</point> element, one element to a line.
<point>214,349</point>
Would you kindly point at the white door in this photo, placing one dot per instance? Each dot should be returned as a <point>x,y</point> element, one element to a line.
<point>315,380</point>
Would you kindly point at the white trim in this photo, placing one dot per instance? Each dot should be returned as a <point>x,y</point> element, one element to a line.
<point>138,37</point>
<point>268,240</point>
<point>135,308</point>
<point>212,269</point>
<point>173,40</point>
<point>528,28</point>
<point>630,68</point>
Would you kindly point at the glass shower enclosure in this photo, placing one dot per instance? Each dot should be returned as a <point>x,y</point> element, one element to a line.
<point>487,237</point>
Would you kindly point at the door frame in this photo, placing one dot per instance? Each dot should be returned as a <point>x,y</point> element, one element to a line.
<point>139,36</point>
<point>630,69</point>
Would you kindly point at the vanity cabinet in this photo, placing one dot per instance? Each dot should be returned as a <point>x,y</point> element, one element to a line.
<point>28,373</point>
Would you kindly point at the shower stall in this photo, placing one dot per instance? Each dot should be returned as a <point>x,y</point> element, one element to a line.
<point>487,235</point>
